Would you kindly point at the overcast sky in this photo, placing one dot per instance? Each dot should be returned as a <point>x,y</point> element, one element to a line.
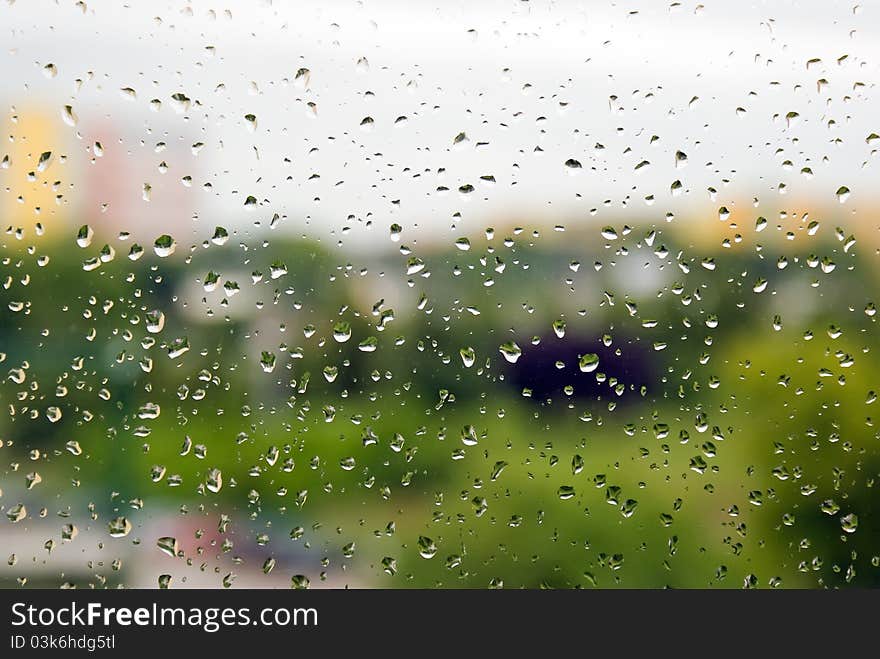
<point>531,85</point>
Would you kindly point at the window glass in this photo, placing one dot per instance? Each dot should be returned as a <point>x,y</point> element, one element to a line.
<point>389,294</point>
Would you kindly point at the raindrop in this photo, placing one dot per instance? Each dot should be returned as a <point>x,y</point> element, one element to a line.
<point>16,513</point>
<point>220,236</point>
<point>565,492</point>
<point>214,480</point>
<point>164,246</point>
<point>119,527</point>
<point>69,116</point>
<point>168,545</point>
<point>559,327</point>
<point>849,523</point>
<point>341,332</point>
<point>511,351</point>
<point>84,236</point>
<point>588,363</point>
<point>155,321</point>
<point>427,548</point>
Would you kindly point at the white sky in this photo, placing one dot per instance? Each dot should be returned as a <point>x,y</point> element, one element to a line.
<point>443,67</point>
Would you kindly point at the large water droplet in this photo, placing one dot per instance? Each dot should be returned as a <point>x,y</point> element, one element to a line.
<point>511,351</point>
<point>119,527</point>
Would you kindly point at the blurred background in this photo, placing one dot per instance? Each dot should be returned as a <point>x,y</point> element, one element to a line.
<point>383,294</point>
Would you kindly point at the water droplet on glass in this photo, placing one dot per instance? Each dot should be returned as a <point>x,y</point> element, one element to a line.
<point>69,116</point>
<point>299,582</point>
<point>214,480</point>
<point>119,527</point>
<point>220,236</point>
<point>168,545</point>
<point>849,523</point>
<point>511,351</point>
<point>588,363</point>
<point>155,321</point>
<point>16,513</point>
<point>427,548</point>
<point>565,492</point>
<point>164,246</point>
<point>559,327</point>
<point>341,332</point>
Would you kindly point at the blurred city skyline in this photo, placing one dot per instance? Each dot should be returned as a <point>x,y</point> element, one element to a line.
<point>410,106</point>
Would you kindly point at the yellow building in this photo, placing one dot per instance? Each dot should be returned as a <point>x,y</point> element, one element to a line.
<point>32,170</point>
